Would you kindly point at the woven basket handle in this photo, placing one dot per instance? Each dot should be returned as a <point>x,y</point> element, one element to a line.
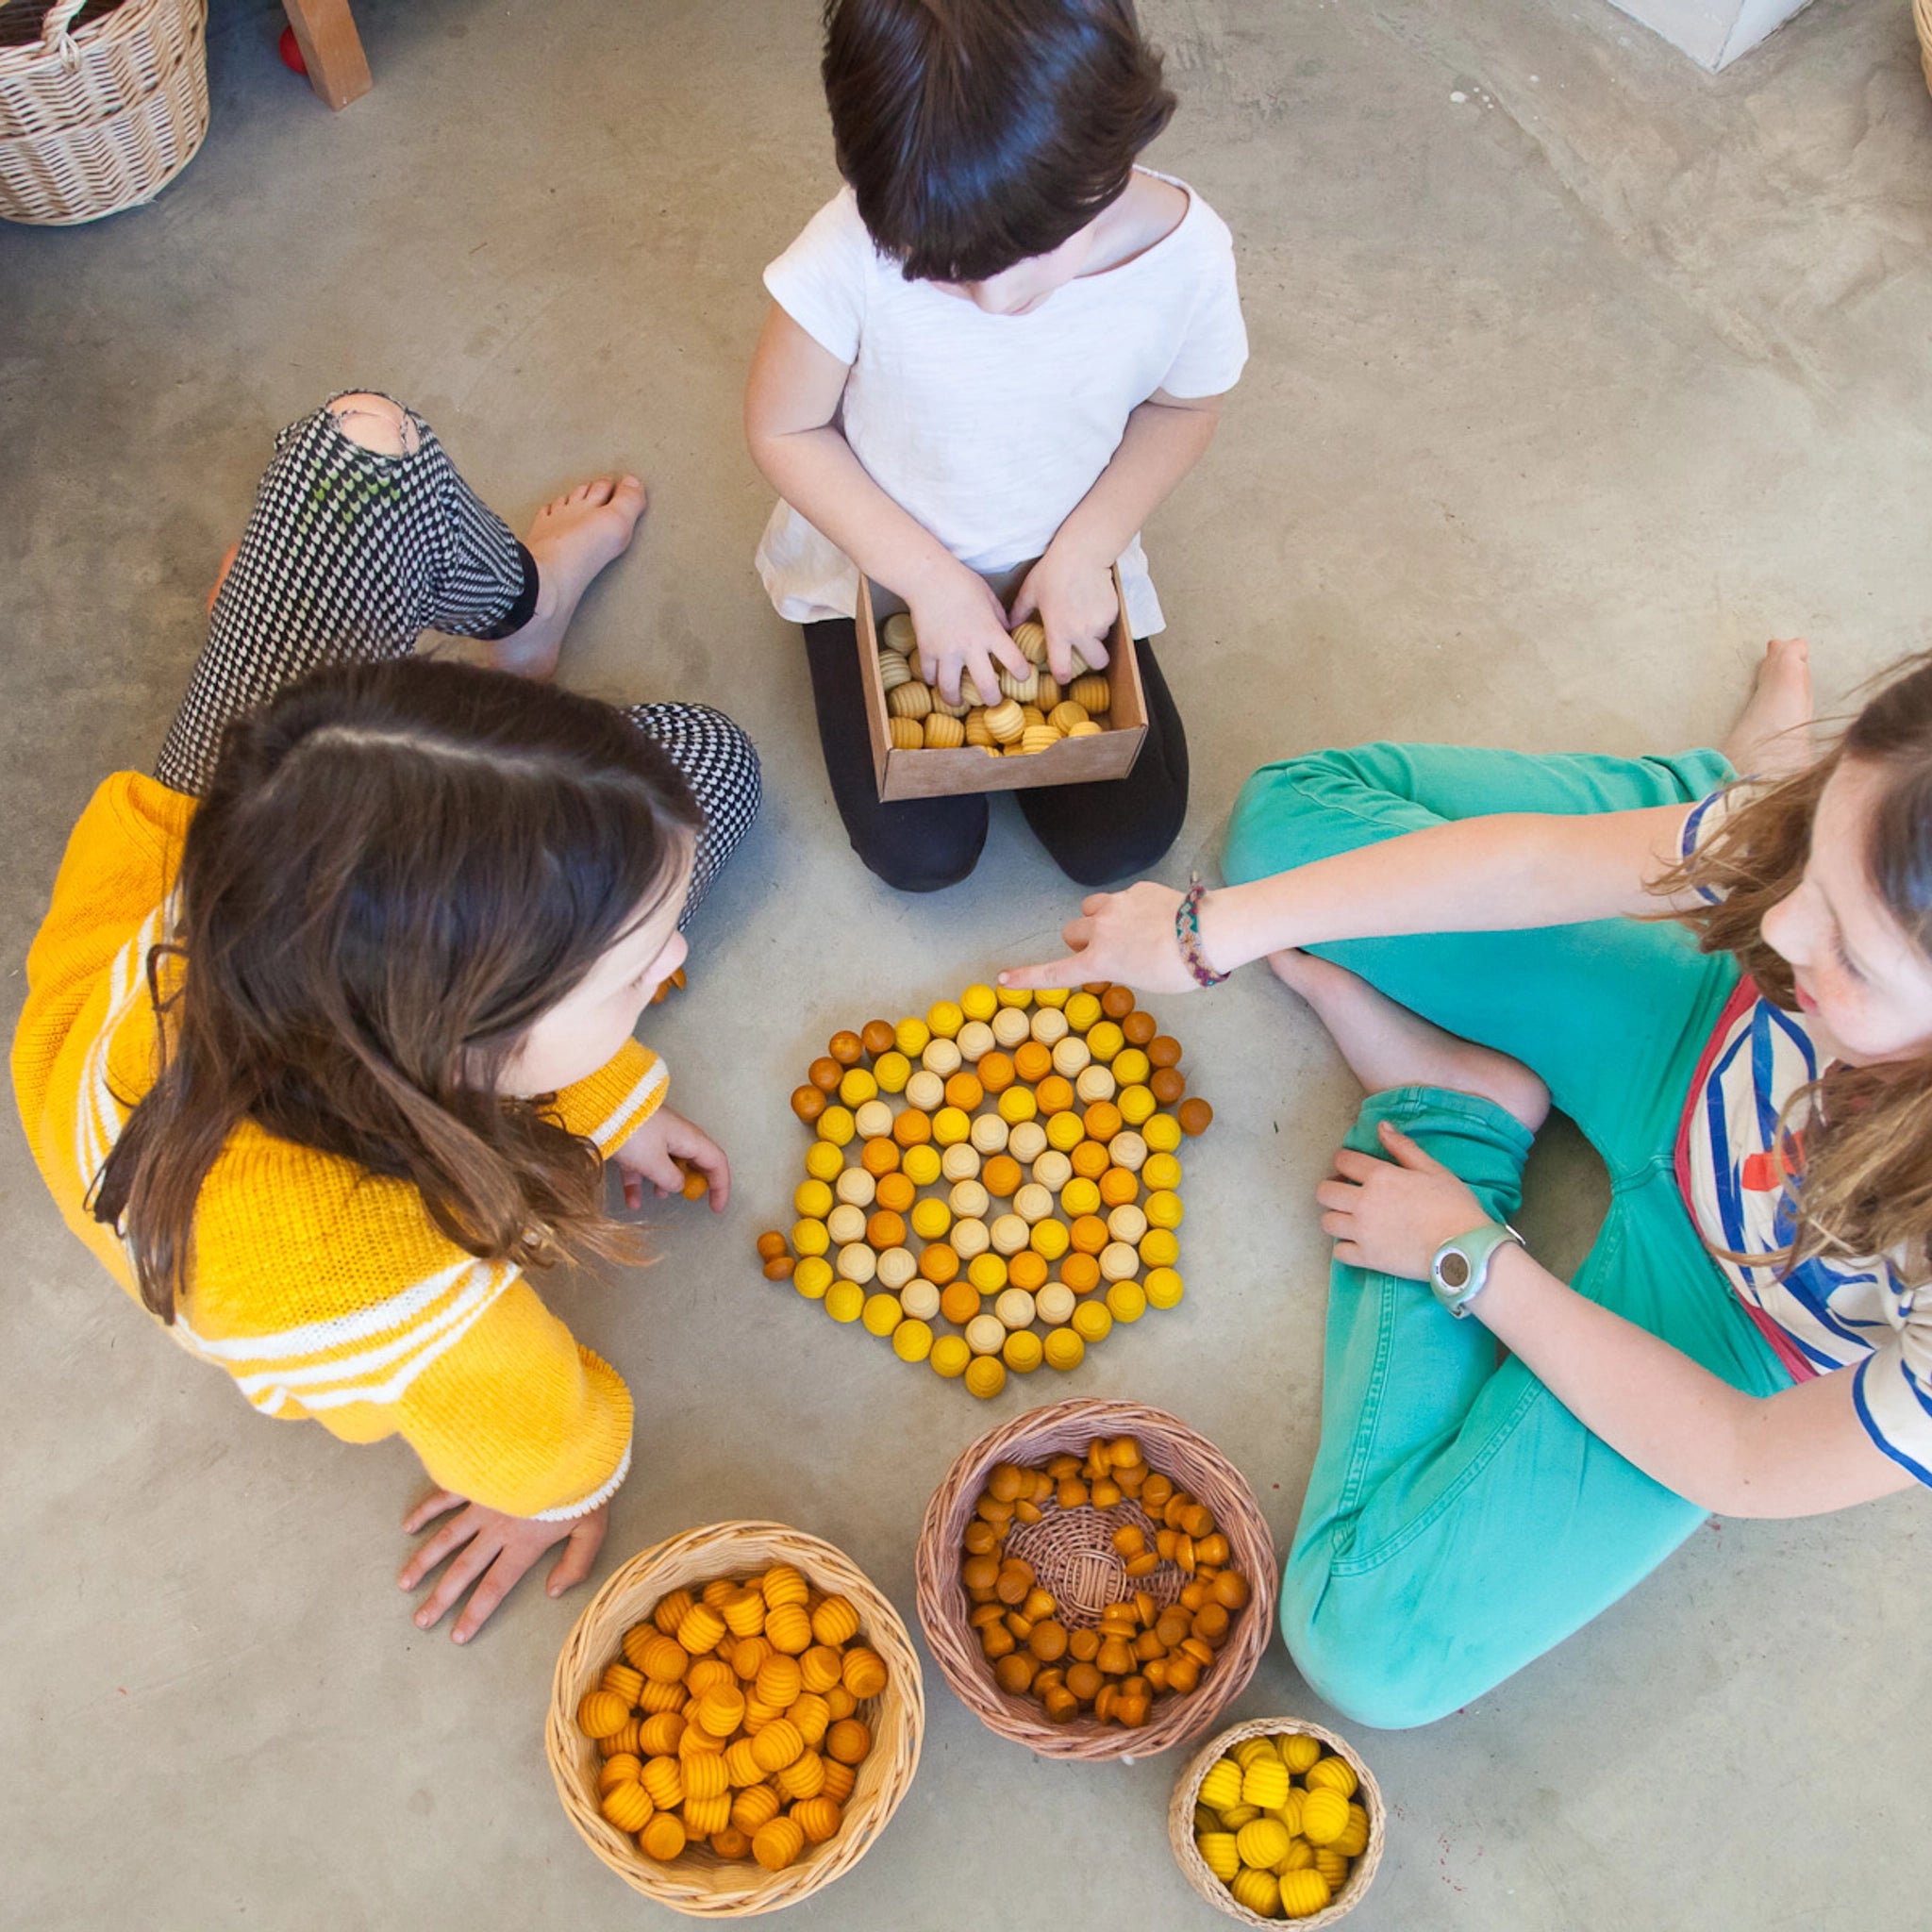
<point>53,32</point>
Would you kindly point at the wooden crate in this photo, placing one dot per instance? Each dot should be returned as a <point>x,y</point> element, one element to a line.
<point>940,774</point>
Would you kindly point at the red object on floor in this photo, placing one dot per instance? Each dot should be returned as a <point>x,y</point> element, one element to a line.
<point>292,52</point>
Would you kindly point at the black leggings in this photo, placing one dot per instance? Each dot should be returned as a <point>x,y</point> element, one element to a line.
<point>1096,833</point>
<point>349,555</point>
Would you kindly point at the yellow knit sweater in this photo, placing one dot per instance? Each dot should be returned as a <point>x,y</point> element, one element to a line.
<point>325,1291</point>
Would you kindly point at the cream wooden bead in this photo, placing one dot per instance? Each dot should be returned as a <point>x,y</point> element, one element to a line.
<point>857,1262</point>
<point>1127,1223</point>
<point>986,1335</point>
<point>1033,1203</point>
<point>1071,1056</point>
<point>942,1057</point>
<point>871,1120</point>
<point>896,634</point>
<point>925,1091</point>
<point>1031,641</point>
<point>846,1224</point>
<point>1066,714</point>
<point>1026,1142</point>
<point>1127,1149</point>
<point>969,1235</point>
<point>950,707</point>
<point>1010,1234</point>
<point>977,1040</point>
<point>943,733</point>
<point>1010,1026</point>
<point>896,1267</point>
<point>1094,1083</point>
<point>1093,694</point>
<point>1089,730</point>
<point>912,700</point>
<point>968,1199</point>
<point>969,693</point>
<point>1055,1302</point>
<point>893,671</point>
<point>1052,1170</point>
<point>1014,1308</point>
<point>988,1133</point>
<point>1005,723</point>
<point>1048,1026</point>
<point>960,1163</point>
<point>1023,689</point>
<point>919,1299</point>
<point>1119,1263</point>
<point>906,733</point>
<point>1037,738</point>
<point>856,1187</point>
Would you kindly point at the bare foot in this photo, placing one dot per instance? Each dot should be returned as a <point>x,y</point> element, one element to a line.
<point>1773,737</point>
<point>572,539</point>
<point>1386,1045</point>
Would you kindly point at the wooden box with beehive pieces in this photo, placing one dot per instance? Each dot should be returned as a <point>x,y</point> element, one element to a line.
<point>1071,761</point>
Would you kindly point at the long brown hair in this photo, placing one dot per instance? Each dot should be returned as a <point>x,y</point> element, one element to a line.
<point>396,870</point>
<point>1866,1185</point>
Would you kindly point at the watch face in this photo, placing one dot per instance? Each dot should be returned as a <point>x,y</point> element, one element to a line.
<point>1453,1269</point>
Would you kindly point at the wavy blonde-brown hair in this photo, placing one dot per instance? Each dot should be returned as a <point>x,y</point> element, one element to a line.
<point>1866,1185</point>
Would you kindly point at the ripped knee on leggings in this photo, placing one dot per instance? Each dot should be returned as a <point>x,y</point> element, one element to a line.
<point>376,424</point>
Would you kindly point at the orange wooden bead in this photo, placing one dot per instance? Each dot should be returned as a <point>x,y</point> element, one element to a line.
<point>847,1048</point>
<point>1081,1273</point>
<point>959,1302</point>
<point>913,1128</point>
<point>896,1193</point>
<point>1089,1234</point>
<point>880,1158</point>
<point>1090,1160</point>
<point>1031,1060</point>
<point>886,1229</point>
<point>964,1091</point>
<point>940,1265</point>
<point>995,1073</point>
<point>1054,1094</point>
<point>1118,1187</point>
<point>876,1037</point>
<point>1027,1269</point>
<point>825,1074</point>
<point>1001,1176</point>
<point>770,1246</point>
<point>808,1102</point>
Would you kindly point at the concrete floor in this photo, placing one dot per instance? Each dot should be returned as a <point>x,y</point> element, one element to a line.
<point>1577,373</point>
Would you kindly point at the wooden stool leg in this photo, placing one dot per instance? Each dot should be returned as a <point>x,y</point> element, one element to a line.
<point>331,49</point>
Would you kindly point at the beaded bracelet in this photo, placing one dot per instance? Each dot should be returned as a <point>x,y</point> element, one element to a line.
<point>1186,934</point>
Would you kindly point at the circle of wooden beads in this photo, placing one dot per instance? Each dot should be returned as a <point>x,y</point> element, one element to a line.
<point>748,1698</point>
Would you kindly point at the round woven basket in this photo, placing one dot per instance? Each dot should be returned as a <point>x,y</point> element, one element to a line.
<point>1073,1554</point>
<point>1180,1822</point>
<point>700,1882</point>
<point>1922,13</point>
<point>100,118</point>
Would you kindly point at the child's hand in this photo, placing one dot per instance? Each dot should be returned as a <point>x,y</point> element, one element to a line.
<point>1392,1215</point>
<point>1074,599</point>
<point>492,1551</point>
<point>1128,936</point>
<point>651,1154</point>
<point>961,628</point>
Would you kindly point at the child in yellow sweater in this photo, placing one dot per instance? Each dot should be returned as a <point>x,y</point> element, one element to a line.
<point>321,1066</point>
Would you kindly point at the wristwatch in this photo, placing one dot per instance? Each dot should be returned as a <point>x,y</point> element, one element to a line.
<point>1460,1268</point>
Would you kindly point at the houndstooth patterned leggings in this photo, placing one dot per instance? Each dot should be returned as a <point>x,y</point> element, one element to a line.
<point>349,555</point>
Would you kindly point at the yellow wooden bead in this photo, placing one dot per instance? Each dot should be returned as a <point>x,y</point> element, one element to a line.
<point>1049,1239</point>
<point>777,1745</point>
<point>663,1779</point>
<point>813,1198</point>
<point>1333,1865</point>
<point>1063,1349</point>
<point>789,1629</point>
<point>813,1276</point>
<point>780,1679</point>
<point>1237,1815</point>
<point>950,1356</point>
<point>1093,693</point>
<point>912,1341</point>
<point>721,1712</point>
<point>909,700</point>
<point>1333,1774</point>
<point>1257,1891</point>
<point>663,1838</point>
<point>757,1805</point>
<point>1298,1751</point>
<point>804,1777</point>
<point>1161,1132</point>
<point>1127,1301</point>
<point>706,1775</point>
<point>1005,722</point>
<point>776,1844</point>
<point>740,1767</point>
<point>943,733</point>
<point>1264,1783</point>
<point>844,1301</point>
<point>1092,1320</point>
<point>840,1779</point>
<point>817,1818</point>
<point>1217,1849</point>
<point>1303,1894</point>
<point>1163,1288</point>
<point>627,1806</point>
<point>703,1816</point>
<point>1136,1103</point>
<point>921,1165</point>
<point>1353,1840</point>
<point>1263,1841</point>
<point>1022,1351</point>
<point>986,1375</point>
<point>1159,1249</point>
<point>1298,1857</point>
<point>882,1313</point>
<point>979,1002</point>
<point>1221,1786</point>
<point>1325,1816</point>
<point>1290,1809</point>
<point>811,1713</point>
<point>603,1713</point>
<point>907,734</point>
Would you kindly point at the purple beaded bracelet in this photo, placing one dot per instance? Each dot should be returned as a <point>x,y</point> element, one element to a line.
<point>1186,934</point>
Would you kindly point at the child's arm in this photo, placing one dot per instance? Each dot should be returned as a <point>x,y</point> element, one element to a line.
<point>1072,586</point>
<point>791,402</point>
<point>1485,875</point>
<point>1798,1452</point>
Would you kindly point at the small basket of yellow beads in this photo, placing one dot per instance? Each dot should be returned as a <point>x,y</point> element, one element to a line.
<point>1277,1820</point>
<point>735,1718</point>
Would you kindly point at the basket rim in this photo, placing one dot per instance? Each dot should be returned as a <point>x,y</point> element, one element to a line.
<point>898,1719</point>
<point>1181,1821</point>
<point>941,1617</point>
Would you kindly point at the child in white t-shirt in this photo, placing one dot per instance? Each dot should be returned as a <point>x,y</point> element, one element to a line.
<point>1001,341</point>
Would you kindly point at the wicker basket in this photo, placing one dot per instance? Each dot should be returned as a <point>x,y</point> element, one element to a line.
<point>1922,13</point>
<point>1180,1822</point>
<point>1174,1450</point>
<point>101,119</point>
<point>700,1882</point>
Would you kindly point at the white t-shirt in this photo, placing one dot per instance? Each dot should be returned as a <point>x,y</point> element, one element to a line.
<point>990,428</point>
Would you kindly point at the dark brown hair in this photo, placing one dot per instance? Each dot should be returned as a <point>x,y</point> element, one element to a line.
<point>396,870</point>
<point>1866,1182</point>
<point>977,133</point>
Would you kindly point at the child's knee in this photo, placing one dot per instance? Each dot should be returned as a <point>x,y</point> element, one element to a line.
<point>1277,814</point>
<point>1362,1665</point>
<point>373,423</point>
<point>928,864</point>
